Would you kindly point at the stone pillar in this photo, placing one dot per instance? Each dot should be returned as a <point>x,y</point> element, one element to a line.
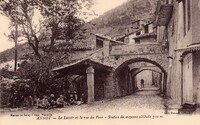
<point>90,83</point>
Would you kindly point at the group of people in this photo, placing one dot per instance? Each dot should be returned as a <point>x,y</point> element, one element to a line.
<point>21,96</point>
<point>53,102</point>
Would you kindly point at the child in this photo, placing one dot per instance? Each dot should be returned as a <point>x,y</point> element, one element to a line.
<point>71,100</point>
<point>45,103</point>
<point>60,102</point>
<point>52,101</point>
<point>39,103</point>
<point>82,98</point>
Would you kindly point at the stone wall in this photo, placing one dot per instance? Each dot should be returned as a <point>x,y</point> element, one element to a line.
<point>159,60</point>
<point>174,68</point>
<point>122,82</point>
<point>137,49</point>
<point>99,84</point>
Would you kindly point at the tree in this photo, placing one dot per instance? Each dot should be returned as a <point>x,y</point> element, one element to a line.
<point>38,71</point>
<point>59,17</point>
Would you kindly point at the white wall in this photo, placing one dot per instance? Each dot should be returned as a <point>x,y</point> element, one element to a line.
<point>10,65</point>
<point>131,40</point>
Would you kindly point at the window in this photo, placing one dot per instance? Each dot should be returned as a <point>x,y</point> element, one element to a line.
<point>137,41</point>
<point>99,44</point>
<point>138,33</point>
<point>126,40</point>
<point>184,17</point>
<point>146,29</point>
<point>188,14</point>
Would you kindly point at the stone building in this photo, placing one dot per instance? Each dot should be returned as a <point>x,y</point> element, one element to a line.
<point>108,69</point>
<point>111,69</point>
<point>178,23</point>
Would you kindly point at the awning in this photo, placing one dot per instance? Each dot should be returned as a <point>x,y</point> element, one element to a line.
<point>191,48</point>
<point>79,67</point>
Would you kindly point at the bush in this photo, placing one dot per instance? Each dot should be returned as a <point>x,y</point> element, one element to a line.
<point>4,94</point>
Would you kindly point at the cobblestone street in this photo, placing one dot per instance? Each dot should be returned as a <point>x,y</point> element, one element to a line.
<point>139,103</point>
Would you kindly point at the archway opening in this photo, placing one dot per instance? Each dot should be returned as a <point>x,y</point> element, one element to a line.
<point>129,74</point>
<point>147,78</point>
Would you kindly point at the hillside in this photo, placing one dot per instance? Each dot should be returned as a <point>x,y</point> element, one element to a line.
<point>9,54</point>
<point>112,23</point>
<point>116,21</point>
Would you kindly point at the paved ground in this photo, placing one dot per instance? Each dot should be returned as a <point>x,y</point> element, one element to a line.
<point>145,106</point>
<point>143,102</point>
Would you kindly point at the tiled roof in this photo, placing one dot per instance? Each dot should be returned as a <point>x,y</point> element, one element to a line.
<point>78,45</point>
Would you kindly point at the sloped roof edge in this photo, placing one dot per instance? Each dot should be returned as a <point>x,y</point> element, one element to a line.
<point>108,38</point>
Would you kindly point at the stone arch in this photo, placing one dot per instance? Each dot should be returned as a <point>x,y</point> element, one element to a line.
<point>123,65</point>
<point>134,60</point>
<point>140,70</point>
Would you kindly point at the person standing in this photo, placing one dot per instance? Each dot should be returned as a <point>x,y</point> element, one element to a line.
<point>142,83</point>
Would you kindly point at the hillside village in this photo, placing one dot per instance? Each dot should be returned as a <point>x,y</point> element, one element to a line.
<point>156,49</point>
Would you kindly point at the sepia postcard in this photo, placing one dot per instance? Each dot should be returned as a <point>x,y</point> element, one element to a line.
<point>99,62</point>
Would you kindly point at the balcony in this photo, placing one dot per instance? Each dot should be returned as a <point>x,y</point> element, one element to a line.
<point>164,13</point>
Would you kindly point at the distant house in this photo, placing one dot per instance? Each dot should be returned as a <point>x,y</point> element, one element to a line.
<point>139,29</point>
<point>10,64</point>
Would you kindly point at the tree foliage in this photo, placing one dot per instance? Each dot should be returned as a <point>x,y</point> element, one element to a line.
<point>42,22</point>
<point>61,18</point>
<point>38,70</point>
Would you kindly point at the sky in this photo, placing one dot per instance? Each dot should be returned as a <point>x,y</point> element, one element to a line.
<point>100,6</point>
